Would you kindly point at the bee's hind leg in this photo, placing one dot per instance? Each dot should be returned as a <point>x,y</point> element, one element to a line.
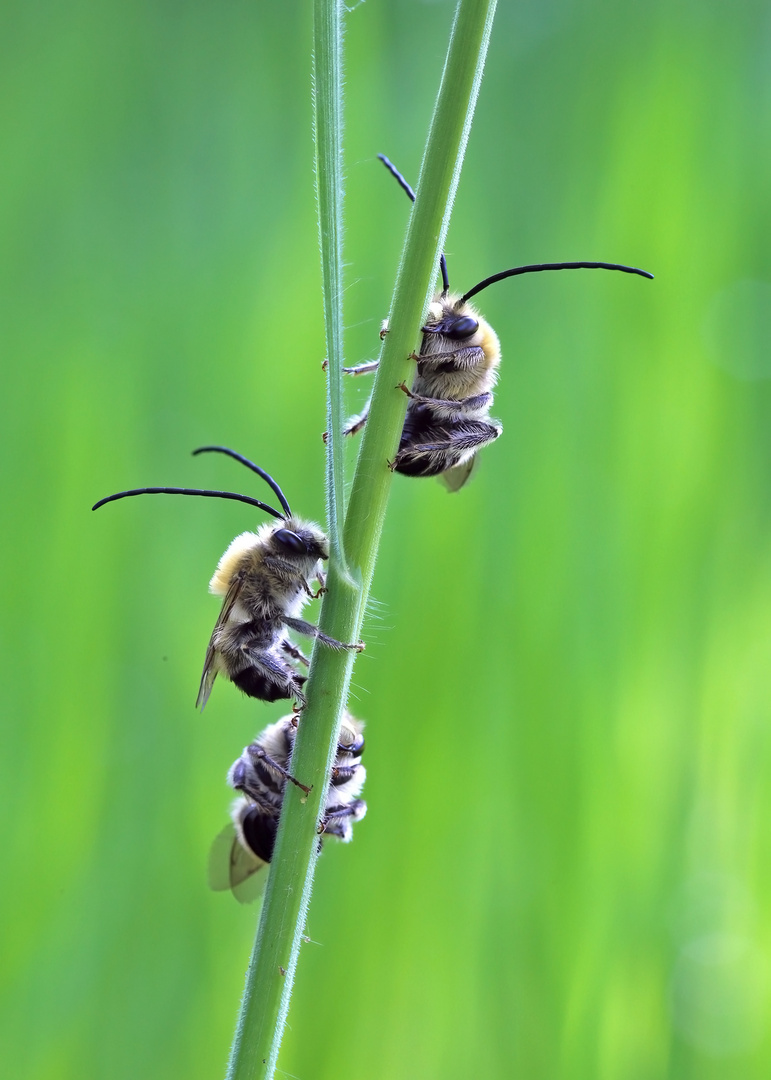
<point>267,677</point>
<point>300,626</point>
<point>414,458</point>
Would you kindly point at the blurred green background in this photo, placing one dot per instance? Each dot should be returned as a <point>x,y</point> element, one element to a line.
<point>566,867</point>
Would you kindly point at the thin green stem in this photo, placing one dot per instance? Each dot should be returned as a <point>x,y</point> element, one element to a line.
<point>439,175</point>
<point>279,936</point>
<point>328,141</point>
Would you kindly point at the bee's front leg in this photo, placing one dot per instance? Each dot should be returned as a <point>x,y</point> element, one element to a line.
<point>256,752</point>
<point>310,593</point>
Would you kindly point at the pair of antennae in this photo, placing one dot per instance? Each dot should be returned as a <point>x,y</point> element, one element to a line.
<point>533,268</point>
<point>234,496</point>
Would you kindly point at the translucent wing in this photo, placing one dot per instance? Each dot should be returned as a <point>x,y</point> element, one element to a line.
<point>209,670</point>
<point>454,478</point>
<point>232,867</point>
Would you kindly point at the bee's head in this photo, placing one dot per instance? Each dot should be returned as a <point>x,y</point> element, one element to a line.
<point>351,738</point>
<point>299,540</point>
<point>451,318</point>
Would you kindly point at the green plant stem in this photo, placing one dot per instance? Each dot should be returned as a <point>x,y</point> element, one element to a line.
<point>274,958</point>
<point>439,175</point>
<point>328,141</point>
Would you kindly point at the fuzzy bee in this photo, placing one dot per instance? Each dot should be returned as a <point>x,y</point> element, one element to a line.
<point>264,579</point>
<point>448,419</point>
<point>261,774</point>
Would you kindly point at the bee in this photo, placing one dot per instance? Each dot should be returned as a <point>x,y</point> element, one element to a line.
<point>448,420</point>
<point>261,774</point>
<point>264,579</point>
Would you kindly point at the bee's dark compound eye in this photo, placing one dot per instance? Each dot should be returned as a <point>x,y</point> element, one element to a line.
<point>290,541</point>
<point>238,775</point>
<point>463,327</point>
<point>354,747</point>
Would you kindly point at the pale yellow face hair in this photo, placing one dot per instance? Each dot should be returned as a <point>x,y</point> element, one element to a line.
<point>485,338</point>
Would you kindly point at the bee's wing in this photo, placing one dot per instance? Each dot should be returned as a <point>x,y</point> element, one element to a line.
<point>232,867</point>
<point>209,671</point>
<point>454,478</point>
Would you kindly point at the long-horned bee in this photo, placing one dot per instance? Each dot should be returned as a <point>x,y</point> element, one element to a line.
<point>264,578</point>
<point>261,774</point>
<point>447,419</point>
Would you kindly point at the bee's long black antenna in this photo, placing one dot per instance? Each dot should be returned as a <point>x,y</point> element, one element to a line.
<point>397,176</point>
<point>250,465</point>
<point>190,491</point>
<point>406,187</point>
<point>535,268</point>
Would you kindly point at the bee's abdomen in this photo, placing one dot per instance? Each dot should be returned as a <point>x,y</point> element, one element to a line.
<point>428,465</point>
<point>420,429</point>
<point>260,833</point>
<point>256,635</point>
<point>256,685</point>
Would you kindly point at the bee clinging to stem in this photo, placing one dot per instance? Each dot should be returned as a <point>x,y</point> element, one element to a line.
<point>448,419</point>
<point>261,775</point>
<point>264,578</point>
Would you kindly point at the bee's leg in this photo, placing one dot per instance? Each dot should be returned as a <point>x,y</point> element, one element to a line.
<point>359,369</point>
<point>294,652</point>
<point>256,752</point>
<point>338,820</point>
<point>362,369</point>
<point>266,676</point>
<point>355,423</point>
<point>341,774</point>
<point>303,627</point>
<point>314,595</point>
<point>471,435</point>
<point>465,359</point>
<point>448,408</point>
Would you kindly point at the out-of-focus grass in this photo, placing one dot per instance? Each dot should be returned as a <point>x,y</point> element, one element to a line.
<point>564,870</point>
